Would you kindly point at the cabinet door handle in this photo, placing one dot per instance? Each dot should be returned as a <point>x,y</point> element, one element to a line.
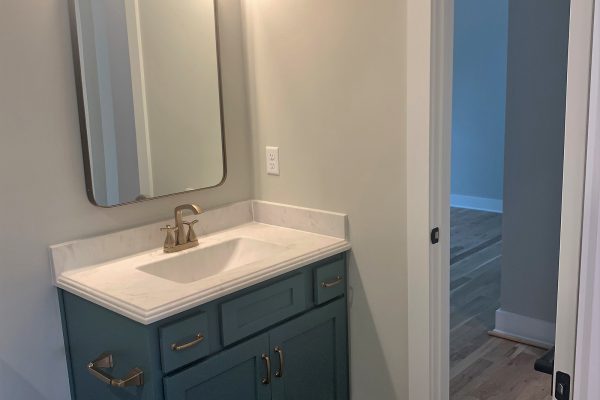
<point>333,282</point>
<point>179,347</point>
<point>135,377</point>
<point>267,360</point>
<point>279,372</point>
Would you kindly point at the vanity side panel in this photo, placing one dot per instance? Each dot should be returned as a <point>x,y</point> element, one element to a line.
<point>63,319</point>
<point>93,330</point>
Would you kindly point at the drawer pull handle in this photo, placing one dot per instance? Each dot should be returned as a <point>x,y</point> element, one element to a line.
<point>180,347</point>
<point>135,377</point>
<point>267,360</point>
<point>332,283</point>
<point>279,372</point>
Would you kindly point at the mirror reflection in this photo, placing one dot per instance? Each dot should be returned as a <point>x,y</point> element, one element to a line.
<point>149,97</point>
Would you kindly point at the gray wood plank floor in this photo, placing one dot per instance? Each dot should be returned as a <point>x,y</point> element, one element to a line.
<point>483,367</point>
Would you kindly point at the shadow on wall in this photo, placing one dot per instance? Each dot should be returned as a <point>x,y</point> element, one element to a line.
<point>16,386</point>
<point>362,358</point>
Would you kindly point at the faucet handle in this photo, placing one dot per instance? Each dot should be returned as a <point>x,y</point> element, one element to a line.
<point>170,241</point>
<point>191,235</point>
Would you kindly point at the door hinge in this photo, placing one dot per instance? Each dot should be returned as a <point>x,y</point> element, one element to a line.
<point>562,389</point>
<point>435,235</point>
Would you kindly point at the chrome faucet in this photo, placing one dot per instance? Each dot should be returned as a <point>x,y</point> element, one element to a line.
<point>185,239</point>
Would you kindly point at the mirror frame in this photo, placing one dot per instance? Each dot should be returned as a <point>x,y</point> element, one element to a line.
<point>81,105</point>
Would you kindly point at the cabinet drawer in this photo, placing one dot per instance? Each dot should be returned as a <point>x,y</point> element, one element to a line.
<point>184,341</point>
<point>262,308</point>
<point>330,281</point>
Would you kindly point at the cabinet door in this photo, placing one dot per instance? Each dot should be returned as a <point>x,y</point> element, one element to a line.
<point>310,356</point>
<point>234,374</point>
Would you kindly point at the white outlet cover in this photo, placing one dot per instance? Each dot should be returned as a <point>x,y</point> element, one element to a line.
<point>272,160</point>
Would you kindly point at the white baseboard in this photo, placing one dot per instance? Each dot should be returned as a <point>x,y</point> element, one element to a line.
<point>476,203</point>
<point>525,329</point>
<point>518,339</point>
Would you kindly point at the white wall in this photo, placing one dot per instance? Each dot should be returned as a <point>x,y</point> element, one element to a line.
<point>328,86</point>
<point>42,196</point>
<point>535,121</point>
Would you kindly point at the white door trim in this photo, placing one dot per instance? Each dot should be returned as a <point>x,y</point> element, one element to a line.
<point>442,57</point>
<point>418,86</point>
<point>429,104</point>
<point>429,70</point>
<point>576,131</point>
<point>587,351</point>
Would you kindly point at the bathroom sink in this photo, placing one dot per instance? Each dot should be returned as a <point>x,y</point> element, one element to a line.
<point>241,245</point>
<point>203,262</point>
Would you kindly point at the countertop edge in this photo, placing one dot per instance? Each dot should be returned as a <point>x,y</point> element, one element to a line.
<point>203,297</point>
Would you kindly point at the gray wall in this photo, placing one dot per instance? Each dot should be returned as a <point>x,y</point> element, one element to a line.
<point>43,199</point>
<point>328,86</point>
<point>537,64</point>
<point>479,99</point>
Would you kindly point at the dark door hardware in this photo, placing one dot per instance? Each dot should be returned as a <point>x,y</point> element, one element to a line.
<point>435,235</point>
<point>562,389</point>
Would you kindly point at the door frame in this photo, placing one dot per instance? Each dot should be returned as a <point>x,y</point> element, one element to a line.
<point>574,175</point>
<point>429,44</point>
<point>588,324</point>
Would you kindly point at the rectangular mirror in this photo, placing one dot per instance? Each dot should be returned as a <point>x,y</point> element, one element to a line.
<point>149,97</point>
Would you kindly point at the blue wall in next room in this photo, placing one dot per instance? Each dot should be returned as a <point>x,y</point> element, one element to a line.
<point>479,102</point>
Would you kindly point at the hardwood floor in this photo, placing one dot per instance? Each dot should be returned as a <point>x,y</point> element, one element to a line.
<point>483,367</point>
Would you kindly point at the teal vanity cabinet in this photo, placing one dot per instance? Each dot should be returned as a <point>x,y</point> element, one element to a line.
<point>285,338</point>
<point>310,355</point>
<point>305,358</point>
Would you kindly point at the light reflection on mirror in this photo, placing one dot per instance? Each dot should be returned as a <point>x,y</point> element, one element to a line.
<point>151,102</point>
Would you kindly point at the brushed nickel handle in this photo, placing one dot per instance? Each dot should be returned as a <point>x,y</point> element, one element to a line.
<point>170,240</point>
<point>191,234</point>
<point>332,283</point>
<point>267,360</point>
<point>279,372</point>
<point>135,377</point>
<point>180,347</point>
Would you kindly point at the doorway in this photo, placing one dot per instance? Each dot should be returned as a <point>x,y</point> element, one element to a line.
<point>430,26</point>
<point>509,94</point>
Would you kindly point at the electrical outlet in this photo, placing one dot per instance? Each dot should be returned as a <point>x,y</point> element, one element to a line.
<point>272,160</point>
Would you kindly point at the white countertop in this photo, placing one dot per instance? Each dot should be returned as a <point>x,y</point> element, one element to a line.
<point>113,279</point>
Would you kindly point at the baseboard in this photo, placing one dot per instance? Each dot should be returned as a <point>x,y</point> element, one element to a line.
<point>520,328</point>
<point>518,339</point>
<point>476,203</point>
